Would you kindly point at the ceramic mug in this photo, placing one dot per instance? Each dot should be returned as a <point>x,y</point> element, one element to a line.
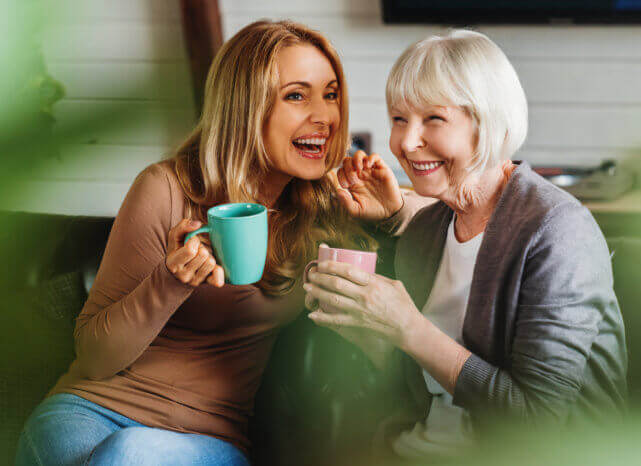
<point>364,260</point>
<point>238,234</point>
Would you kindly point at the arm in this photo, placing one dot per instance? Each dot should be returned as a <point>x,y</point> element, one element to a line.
<point>134,294</point>
<point>412,204</point>
<point>566,288</point>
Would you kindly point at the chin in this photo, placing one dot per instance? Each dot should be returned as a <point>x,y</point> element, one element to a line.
<point>310,175</point>
<point>423,189</point>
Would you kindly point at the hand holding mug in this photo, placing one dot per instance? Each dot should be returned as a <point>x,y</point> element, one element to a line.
<point>367,187</point>
<point>193,262</point>
<point>239,236</point>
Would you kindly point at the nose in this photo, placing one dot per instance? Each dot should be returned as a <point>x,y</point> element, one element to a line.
<point>320,112</point>
<point>412,138</point>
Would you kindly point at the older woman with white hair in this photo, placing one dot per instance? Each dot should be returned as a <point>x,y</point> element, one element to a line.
<point>504,298</point>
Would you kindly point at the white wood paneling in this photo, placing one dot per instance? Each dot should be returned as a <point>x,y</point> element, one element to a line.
<point>297,8</point>
<point>69,197</point>
<point>369,37</point>
<point>122,80</point>
<point>121,10</point>
<point>554,81</point>
<point>108,41</point>
<point>124,63</point>
<point>124,122</point>
<point>99,163</point>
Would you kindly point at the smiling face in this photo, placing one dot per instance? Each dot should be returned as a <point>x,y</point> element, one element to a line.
<point>434,145</point>
<point>306,114</point>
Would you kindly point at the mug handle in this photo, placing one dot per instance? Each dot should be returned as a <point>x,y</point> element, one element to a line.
<point>308,267</point>
<point>203,229</point>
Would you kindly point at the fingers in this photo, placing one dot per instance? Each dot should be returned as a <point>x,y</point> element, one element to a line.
<point>311,303</point>
<point>203,271</point>
<point>348,202</point>
<point>189,270</point>
<point>358,159</point>
<point>194,269</point>
<point>337,284</point>
<point>347,271</point>
<point>334,320</point>
<point>342,179</point>
<point>178,232</point>
<point>332,300</point>
<point>332,175</point>
<point>374,162</point>
<point>358,168</point>
<point>178,258</point>
<point>350,172</point>
<point>217,277</point>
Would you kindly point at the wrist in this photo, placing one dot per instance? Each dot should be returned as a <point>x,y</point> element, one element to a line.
<point>396,208</point>
<point>414,333</point>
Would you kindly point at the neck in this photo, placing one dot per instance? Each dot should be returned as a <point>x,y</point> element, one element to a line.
<point>272,187</point>
<point>474,209</point>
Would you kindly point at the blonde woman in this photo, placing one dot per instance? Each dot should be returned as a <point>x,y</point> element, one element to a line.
<point>504,298</point>
<point>168,357</point>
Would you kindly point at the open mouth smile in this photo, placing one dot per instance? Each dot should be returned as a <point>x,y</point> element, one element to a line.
<point>311,147</point>
<point>424,168</point>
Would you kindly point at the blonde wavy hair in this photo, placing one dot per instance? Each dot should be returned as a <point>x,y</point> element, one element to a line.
<point>224,158</point>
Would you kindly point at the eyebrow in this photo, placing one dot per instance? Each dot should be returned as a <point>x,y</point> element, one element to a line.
<point>306,84</point>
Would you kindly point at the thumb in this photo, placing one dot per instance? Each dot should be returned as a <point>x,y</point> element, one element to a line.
<point>348,202</point>
<point>178,232</point>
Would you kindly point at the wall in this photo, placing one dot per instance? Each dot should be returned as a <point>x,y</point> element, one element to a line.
<point>128,100</point>
<point>583,85</point>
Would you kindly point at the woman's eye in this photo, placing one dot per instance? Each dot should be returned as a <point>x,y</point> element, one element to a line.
<point>294,96</point>
<point>332,95</point>
<point>435,117</point>
<point>398,119</point>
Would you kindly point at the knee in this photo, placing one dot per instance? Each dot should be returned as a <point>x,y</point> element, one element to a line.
<point>134,445</point>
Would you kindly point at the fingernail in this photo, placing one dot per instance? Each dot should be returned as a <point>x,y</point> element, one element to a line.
<point>307,287</point>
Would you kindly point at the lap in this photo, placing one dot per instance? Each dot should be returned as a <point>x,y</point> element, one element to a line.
<point>63,430</point>
<point>68,430</point>
<point>143,446</point>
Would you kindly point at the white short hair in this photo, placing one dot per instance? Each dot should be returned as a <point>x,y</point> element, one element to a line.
<point>465,68</point>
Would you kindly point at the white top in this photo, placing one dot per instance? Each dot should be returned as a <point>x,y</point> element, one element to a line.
<point>446,427</point>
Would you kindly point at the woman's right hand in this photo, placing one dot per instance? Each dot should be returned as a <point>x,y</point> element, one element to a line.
<point>368,188</point>
<point>192,263</point>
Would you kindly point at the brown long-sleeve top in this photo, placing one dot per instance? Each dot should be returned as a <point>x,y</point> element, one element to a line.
<point>161,352</point>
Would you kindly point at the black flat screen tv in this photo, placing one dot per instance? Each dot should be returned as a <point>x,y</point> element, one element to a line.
<point>463,12</point>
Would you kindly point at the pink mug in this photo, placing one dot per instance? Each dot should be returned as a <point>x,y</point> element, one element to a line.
<point>362,259</point>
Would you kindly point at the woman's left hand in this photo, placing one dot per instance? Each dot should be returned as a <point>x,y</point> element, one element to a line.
<point>360,299</point>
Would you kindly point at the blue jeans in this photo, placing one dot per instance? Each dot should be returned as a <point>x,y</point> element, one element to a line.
<point>68,430</point>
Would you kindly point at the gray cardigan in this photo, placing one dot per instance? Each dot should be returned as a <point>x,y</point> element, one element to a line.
<point>542,323</point>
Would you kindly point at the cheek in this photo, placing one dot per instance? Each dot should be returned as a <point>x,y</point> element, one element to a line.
<point>395,142</point>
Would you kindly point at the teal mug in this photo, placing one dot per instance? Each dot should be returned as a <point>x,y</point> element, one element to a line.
<point>238,234</point>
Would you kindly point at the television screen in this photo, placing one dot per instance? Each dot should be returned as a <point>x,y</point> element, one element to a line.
<point>461,12</point>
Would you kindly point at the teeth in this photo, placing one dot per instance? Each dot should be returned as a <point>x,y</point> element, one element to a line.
<point>425,166</point>
<point>317,141</point>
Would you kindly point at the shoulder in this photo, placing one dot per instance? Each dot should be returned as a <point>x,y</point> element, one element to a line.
<point>531,197</point>
<point>530,205</point>
<point>547,219</point>
<point>428,218</point>
<point>159,176</point>
<point>160,183</point>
